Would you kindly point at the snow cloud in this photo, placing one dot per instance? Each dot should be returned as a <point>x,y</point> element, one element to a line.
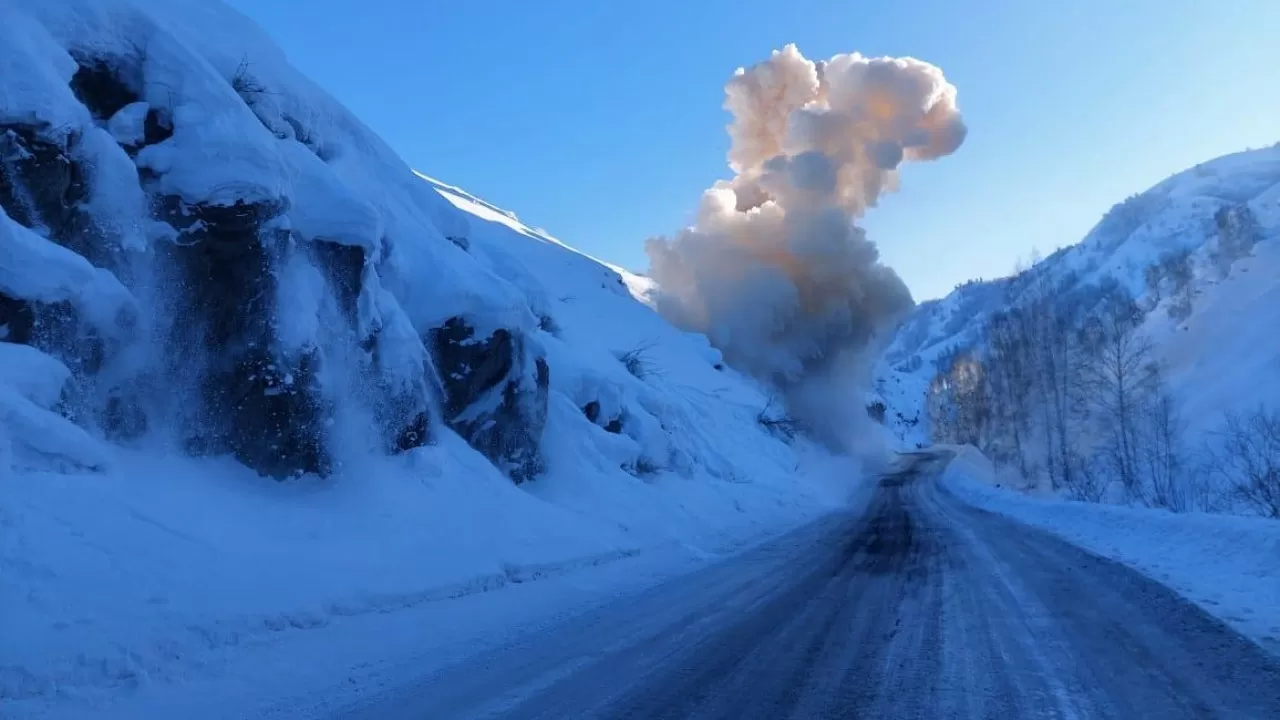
<point>773,269</point>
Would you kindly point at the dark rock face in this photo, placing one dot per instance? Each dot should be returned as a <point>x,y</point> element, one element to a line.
<point>224,270</point>
<point>250,394</point>
<point>343,265</point>
<point>495,394</point>
<point>592,411</point>
<point>122,419</point>
<point>415,434</point>
<point>17,320</point>
<point>470,367</point>
<point>260,403</point>
<point>98,85</point>
<point>40,186</point>
<point>55,329</point>
<point>274,413</point>
<point>156,127</point>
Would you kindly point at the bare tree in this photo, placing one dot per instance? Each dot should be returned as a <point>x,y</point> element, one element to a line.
<point>1009,382</point>
<point>1161,457</point>
<point>1089,481</point>
<point>1248,458</point>
<point>1120,378</point>
<point>1056,361</point>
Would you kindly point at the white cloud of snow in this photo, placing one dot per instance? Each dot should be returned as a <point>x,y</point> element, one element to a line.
<point>773,269</point>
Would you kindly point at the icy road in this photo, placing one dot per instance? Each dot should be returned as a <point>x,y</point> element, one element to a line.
<point>920,608</point>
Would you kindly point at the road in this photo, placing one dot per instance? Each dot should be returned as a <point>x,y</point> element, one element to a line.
<point>921,607</point>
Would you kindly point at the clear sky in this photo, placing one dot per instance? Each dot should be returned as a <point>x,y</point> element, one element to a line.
<point>601,120</point>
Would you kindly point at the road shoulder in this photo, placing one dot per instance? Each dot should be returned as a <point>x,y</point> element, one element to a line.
<point>1228,565</point>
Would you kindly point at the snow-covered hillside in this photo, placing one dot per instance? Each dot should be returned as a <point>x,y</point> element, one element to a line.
<point>212,274</point>
<point>1199,254</point>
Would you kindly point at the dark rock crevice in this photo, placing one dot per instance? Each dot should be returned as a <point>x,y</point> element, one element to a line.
<point>343,268</point>
<point>102,86</point>
<point>592,411</point>
<point>495,394</point>
<point>40,186</point>
<point>17,320</point>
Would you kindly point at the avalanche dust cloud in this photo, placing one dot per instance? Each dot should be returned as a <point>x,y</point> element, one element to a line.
<point>773,269</point>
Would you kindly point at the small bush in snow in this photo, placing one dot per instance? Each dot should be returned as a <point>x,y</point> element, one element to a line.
<point>245,84</point>
<point>772,418</point>
<point>637,361</point>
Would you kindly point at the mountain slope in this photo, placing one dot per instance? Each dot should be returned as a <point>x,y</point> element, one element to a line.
<point>1197,254</point>
<point>211,272</point>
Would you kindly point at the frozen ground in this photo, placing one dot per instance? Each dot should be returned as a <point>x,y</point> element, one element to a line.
<point>1228,565</point>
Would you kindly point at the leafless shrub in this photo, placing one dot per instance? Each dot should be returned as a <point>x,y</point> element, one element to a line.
<point>1089,481</point>
<point>773,418</point>
<point>638,362</point>
<point>245,84</point>
<point>1247,457</point>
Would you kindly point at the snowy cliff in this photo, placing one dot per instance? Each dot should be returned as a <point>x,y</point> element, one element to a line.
<point>211,272</point>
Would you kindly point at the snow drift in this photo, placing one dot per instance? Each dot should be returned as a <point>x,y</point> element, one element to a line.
<point>773,269</point>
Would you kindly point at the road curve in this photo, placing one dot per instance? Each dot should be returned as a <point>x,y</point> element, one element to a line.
<point>922,607</point>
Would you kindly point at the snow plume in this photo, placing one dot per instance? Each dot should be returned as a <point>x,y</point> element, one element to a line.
<point>774,270</point>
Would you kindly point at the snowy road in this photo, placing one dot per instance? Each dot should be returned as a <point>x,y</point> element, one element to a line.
<point>921,608</point>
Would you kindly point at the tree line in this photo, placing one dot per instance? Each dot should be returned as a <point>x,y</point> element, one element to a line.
<point>1064,385</point>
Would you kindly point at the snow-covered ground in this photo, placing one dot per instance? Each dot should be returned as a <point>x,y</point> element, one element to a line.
<point>1228,565</point>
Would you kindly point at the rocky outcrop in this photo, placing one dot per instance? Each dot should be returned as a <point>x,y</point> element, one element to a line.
<point>495,394</point>
<point>592,411</point>
<point>41,189</point>
<point>17,320</point>
<point>40,186</point>
<point>261,402</point>
<point>265,310</point>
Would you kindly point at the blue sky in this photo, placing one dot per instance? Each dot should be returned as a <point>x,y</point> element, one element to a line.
<point>601,121</point>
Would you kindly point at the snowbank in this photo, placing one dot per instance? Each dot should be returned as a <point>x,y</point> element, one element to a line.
<point>171,572</point>
<point>1229,566</point>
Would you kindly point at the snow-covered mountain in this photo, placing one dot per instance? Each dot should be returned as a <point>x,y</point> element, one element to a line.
<point>1197,253</point>
<point>210,271</point>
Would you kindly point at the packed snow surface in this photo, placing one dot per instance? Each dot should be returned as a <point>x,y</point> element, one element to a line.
<point>1228,565</point>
